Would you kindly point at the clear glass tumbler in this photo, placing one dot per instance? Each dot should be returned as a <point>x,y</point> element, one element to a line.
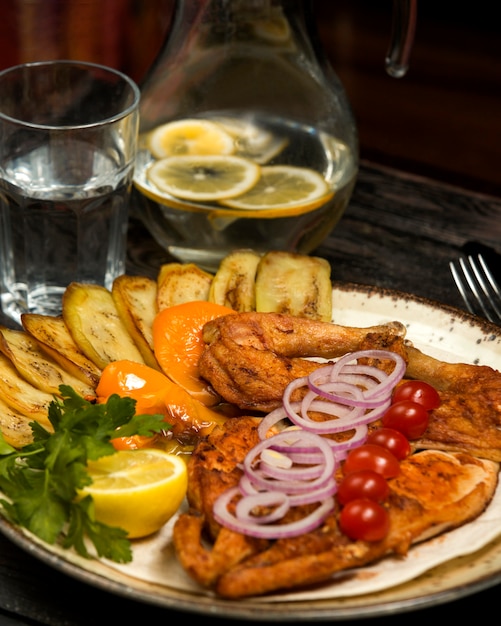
<point>68,139</point>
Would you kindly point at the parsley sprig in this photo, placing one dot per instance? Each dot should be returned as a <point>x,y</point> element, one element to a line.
<point>41,480</point>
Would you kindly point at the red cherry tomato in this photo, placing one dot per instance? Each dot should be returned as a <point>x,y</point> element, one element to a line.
<point>365,520</point>
<point>417,391</point>
<point>362,484</point>
<point>410,418</point>
<point>375,458</point>
<point>395,441</point>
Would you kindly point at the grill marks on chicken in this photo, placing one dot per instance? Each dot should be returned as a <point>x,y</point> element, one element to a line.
<point>435,491</point>
<point>251,357</point>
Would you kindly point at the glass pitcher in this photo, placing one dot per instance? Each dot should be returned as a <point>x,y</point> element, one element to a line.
<point>247,138</point>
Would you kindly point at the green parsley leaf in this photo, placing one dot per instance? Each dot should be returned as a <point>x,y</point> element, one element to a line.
<point>110,543</point>
<point>41,481</point>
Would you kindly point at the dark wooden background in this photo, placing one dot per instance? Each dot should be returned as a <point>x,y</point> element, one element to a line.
<point>443,119</point>
<point>400,231</point>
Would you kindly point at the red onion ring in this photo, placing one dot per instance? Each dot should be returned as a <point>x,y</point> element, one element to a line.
<point>312,477</point>
<point>265,485</point>
<point>369,396</point>
<point>352,395</point>
<point>317,495</point>
<point>279,500</point>
<point>390,379</point>
<point>276,531</point>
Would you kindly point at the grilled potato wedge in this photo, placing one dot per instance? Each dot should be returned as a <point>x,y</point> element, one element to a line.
<point>295,284</point>
<point>91,315</point>
<point>181,282</point>
<point>21,396</point>
<point>233,284</point>
<point>37,367</point>
<point>55,339</point>
<point>136,300</point>
<point>15,426</point>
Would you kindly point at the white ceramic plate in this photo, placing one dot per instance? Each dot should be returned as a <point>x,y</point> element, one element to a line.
<point>441,331</point>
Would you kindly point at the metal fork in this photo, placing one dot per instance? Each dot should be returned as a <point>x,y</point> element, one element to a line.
<point>478,287</point>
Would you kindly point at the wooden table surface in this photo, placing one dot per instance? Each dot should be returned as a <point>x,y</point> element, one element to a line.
<point>398,232</point>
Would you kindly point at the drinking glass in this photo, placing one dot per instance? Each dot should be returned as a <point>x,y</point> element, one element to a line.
<point>68,140</point>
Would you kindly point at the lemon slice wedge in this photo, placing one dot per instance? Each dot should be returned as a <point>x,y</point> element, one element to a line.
<point>189,136</point>
<point>281,186</point>
<point>137,490</point>
<point>252,141</point>
<point>274,29</point>
<point>204,178</point>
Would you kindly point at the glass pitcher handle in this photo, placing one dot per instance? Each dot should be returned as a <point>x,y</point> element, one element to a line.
<point>402,37</point>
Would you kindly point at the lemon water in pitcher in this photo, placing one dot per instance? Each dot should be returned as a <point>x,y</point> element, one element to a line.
<point>247,138</point>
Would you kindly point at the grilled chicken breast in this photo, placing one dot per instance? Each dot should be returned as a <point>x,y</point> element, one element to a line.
<point>435,491</point>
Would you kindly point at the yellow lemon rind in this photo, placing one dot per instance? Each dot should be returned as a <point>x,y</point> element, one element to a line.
<point>204,178</point>
<point>281,181</point>
<point>218,212</point>
<point>252,141</point>
<point>189,137</point>
<point>139,507</point>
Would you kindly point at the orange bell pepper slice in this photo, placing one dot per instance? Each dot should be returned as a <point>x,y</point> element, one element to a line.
<point>134,442</point>
<point>154,393</point>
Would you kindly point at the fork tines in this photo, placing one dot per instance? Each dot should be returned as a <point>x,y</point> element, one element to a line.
<point>478,287</point>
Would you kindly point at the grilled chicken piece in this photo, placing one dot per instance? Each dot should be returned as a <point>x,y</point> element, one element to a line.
<point>469,417</point>
<point>212,468</point>
<point>251,357</point>
<point>435,491</point>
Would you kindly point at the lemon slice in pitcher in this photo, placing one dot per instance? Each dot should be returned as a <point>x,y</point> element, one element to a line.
<point>281,186</point>
<point>251,140</point>
<point>204,178</point>
<point>190,136</point>
<point>137,490</point>
<point>275,29</point>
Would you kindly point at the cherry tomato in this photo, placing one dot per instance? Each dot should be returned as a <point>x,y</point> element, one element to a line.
<point>364,519</point>
<point>362,484</point>
<point>417,391</point>
<point>395,441</point>
<point>410,418</point>
<point>375,458</point>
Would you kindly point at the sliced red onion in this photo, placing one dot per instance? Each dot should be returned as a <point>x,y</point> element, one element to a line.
<point>247,488</point>
<point>368,395</point>
<point>273,458</point>
<point>245,506</point>
<point>269,531</point>
<point>301,473</point>
<point>390,380</point>
<point>338,423</point>
<point>271,420</point>
<point>296,465</point>
<point>341,448</point>
<point>266,485</point>
<point>312,477</point>
<point>318,495</point>
<point>348,391</point>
